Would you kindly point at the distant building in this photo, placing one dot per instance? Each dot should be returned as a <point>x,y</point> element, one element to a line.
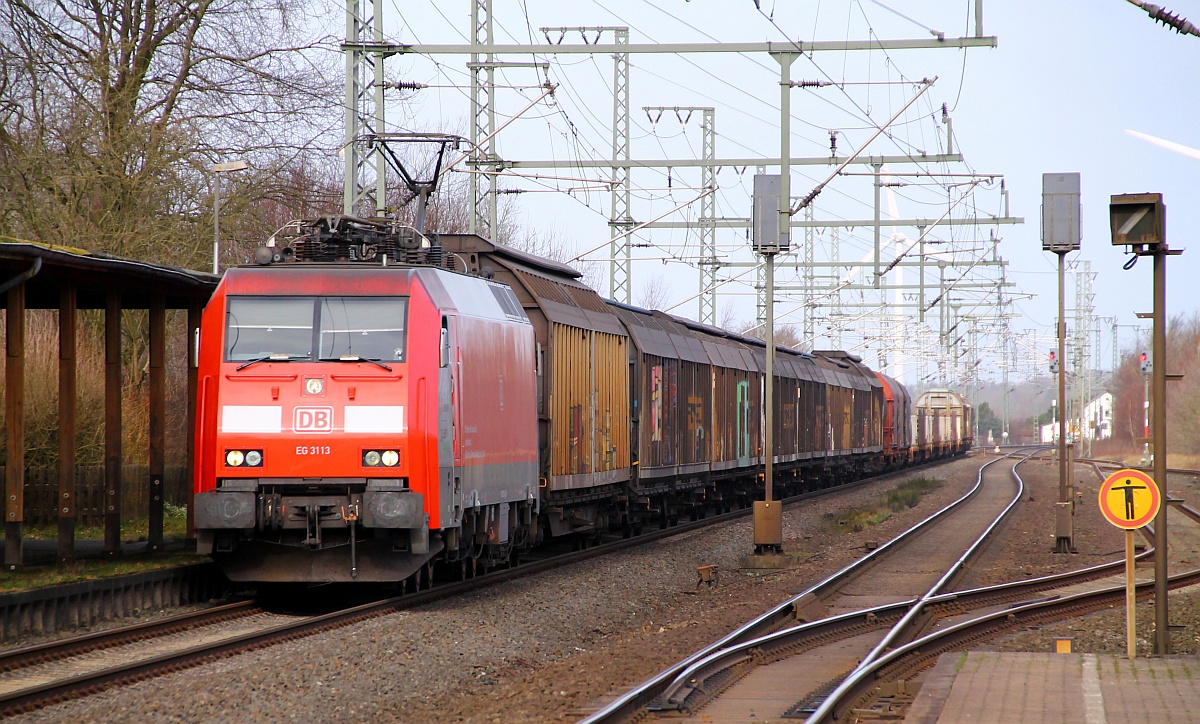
<point>1098,417</point>
<point>1097,422</point>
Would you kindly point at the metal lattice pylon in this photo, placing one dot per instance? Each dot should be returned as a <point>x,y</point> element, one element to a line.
<point>365,165</point>
<point>483,89</point>
<point>1083,352</point>
<point>709,263</point>
<point>620,286</point>
<point>809,278</point>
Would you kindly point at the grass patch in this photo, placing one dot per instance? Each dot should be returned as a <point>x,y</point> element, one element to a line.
<point>91,569</point>
<point>136,529</point>
<point>909,493</point>
<point>87,570</point>
<point>906,495</point>
<point>860,519</point>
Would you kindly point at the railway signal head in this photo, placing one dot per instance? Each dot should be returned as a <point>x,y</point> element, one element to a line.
<point>1053,362</point>
<point>1138,221</point>
<point>1145,364</point>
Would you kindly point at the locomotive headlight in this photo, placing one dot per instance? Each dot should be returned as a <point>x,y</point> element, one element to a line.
<point>380,458</point>
<point>249,458</point>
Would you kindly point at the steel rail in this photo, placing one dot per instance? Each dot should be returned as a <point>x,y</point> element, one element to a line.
<point>1177,504</point>
<point>26,656</point>
<point>677,675</point>
<point>774,645</point>
<point>901,617</point>
<point>918,654</point>
<point>35,697</point>
<point>905,624</point>
<point>1100,462</point>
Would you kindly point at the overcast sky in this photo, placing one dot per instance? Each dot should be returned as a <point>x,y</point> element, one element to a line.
<point>1066,81</point>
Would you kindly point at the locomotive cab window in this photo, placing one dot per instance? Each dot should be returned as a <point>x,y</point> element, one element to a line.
<point>366,327</point>
<point>262,327</point>
<point>307,328</point>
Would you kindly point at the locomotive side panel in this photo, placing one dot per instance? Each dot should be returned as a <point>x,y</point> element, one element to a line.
<point>582,369</point>
<point>493,436</point>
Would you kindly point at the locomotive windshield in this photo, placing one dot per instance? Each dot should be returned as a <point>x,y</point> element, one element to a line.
<point>308,328</point>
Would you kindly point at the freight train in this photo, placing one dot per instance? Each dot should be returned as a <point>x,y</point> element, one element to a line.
<point>374,401</point>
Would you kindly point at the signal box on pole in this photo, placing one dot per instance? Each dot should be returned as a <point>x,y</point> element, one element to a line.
<point>1138,220</point>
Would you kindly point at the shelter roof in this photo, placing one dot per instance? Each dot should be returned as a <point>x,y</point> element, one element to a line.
<point>47,267</point>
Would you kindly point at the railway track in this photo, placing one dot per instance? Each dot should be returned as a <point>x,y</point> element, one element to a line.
<point>964,619</point>
<point>36,676</point>
<point>695,681</point>
<point>946,621</point>
<point>689,683</point>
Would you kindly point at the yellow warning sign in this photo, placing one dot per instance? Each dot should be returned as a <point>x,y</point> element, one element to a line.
<point>1129,498</point>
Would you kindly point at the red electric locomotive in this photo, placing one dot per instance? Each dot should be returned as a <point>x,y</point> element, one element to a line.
<point>357,416</point>
<point>371,403</point>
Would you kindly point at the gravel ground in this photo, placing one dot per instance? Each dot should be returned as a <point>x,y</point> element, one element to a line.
<point>544,648</point>
<point>1025,545</point>
<point>1104,632</point>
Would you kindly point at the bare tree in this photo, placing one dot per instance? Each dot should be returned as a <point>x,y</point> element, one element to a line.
<point>729,318</point>
<point>655,293</point>
<point>786,335</point>
<point>111,114</point>
<point>549,244</point>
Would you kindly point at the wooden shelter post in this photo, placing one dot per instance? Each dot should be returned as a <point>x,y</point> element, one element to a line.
<point>158,417</point>
<point>193,381</point>
<point>14,419</point>
<point>67,413</point>
<point>112,423</point>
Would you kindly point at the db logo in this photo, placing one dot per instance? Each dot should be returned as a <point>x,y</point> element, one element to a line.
<point>312,419</point>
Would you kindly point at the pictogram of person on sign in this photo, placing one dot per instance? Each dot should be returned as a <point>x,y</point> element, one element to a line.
<point>1129,487</point>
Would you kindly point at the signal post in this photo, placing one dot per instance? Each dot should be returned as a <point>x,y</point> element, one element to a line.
<point>771,237</point>
<point>1061,224</point>
<point>1139,221</point>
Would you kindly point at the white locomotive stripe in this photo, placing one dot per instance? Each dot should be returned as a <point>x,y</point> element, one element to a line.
<point>375,418</point>
<point>251,418</point>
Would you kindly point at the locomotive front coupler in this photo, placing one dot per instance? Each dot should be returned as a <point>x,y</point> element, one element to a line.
<point>350,515</point>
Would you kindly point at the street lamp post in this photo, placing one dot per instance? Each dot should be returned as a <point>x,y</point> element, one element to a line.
<point>218,169</point>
